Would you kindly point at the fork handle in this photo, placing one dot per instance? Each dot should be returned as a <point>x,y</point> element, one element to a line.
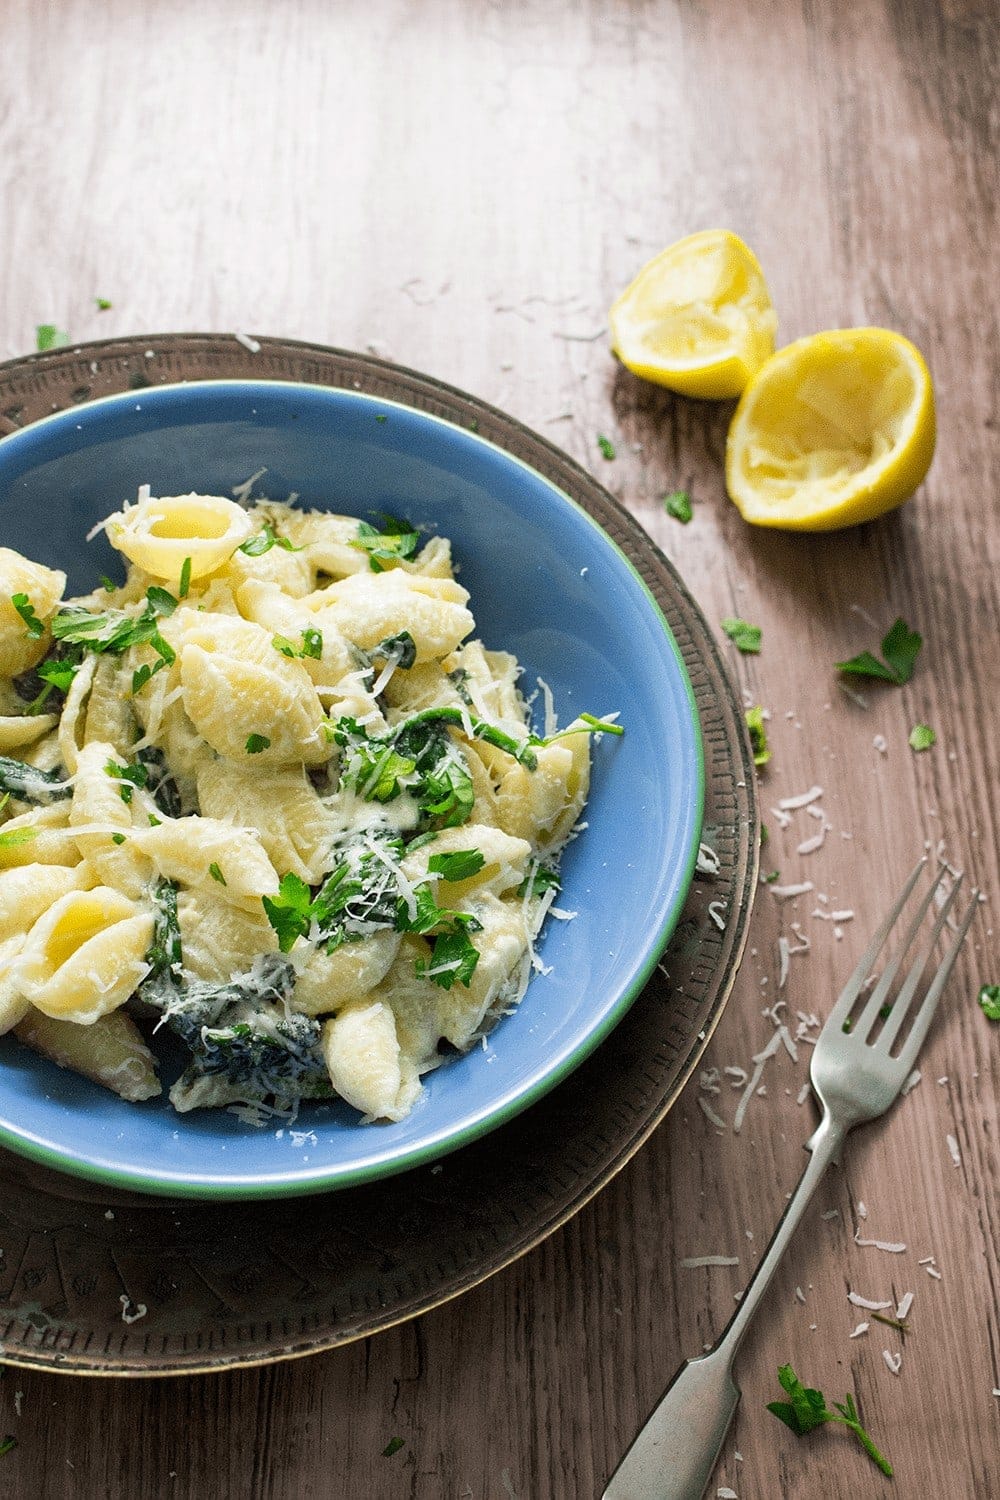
<point>673,1456</point>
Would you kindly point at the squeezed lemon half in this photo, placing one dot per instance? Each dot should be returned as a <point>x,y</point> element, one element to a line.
<point>697,318</point>
<point>835,429</point>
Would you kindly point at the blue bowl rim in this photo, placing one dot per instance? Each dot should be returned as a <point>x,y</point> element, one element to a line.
<point>291,1183</point>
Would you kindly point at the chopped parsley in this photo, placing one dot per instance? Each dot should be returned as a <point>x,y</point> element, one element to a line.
<point>257,545</point>
<point>394,1444</point>
<point>34,626</point>
<point>745,638</point>
<point>185,580</point>
<point>539,880</point>
<point>256,743</point>
<point>922,737</point>
<point>48,336</point>
<point>606,446</point>
<point>900,648</point>
<point>217,874</point>
<point>678,505</point>
<point>115,631</point>
<point>312,644</point>
<point>989,1001</point>
<point>770,879</point>
<point>128,776</point>
<point>806,1409</point>
<point>102,304</point>
<point>460,865</point>
<point>290,912</point>
<point>118,838</point>
<point>396,541</point>
<point>758,735</point>
<point>9,1442</point>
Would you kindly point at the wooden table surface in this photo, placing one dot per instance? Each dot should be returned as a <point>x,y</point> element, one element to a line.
<point>464,188</point>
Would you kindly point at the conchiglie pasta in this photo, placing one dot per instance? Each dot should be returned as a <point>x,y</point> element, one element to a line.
<point>371,607</point>
<point>85,956</point>
<point>160,534</point>
<point>296,829</point>
<point>194,850</point>
<point>20,647</point>
<point>366,1064</point>
<point>111,1051</point>
<point>294,823</point>
<point>13,1005</point>
<point>240,708</point>
<point>546,803</point>
<point>217,936</point>
<point>330,981</point>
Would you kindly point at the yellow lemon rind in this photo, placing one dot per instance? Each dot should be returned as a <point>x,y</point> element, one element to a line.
<point>876,490</point>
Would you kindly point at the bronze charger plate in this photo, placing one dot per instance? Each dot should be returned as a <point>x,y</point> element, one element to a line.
<point>99,1282</point>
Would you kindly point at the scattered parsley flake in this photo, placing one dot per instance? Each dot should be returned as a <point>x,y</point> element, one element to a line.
<point>7,1443</point>
<point>34,626</point>
<point>806,1409</point>
<point>264,541</point>
<point>678,505</point>
<point>103,304</point>
<point>989,1001</point>
<point>922,737</point>
<point>217,874</point>
<point>11,837</point>
<point>290,911</point>
<point>460,865</point>
<point>606,446</point>
<point>312,645</point>
<point>128,777</point>
<point>900,648</point>
<point>256,743</point>
<point>48,336</point>
<point>758,735</point>
<point>396,541</point>
<point>774,875</point>
<point>118,838</point>
<point>185,580</point>
<point>745,637</point>
<point>394,1444</point>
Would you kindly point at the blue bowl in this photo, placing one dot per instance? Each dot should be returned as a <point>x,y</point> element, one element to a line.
<point>548,584</point>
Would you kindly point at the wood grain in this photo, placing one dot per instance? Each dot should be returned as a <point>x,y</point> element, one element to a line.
<point>464,189</point>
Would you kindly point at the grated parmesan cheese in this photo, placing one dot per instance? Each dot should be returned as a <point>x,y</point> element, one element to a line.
<point>696,1262</point>
<point>956,1155</point>
<point>892,1247</point>
<point>802,800</point>
<point>893,1361</point>
<point>867,1303</point>
<point>710,1113</point>
<point>247,342</point>
<point>905,1303</point>
<point>861,1328</point>
<point>787,892</point>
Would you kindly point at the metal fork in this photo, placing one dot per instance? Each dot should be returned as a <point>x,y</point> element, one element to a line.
<point>854,1079</point>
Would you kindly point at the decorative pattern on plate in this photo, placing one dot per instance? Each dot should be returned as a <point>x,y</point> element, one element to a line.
<point>98,1282</point>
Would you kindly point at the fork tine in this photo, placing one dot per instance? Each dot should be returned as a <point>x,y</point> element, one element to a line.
<point>901,1004</point>
<point>925,1014</point>
<point>866,962</point>
<point>877,999</point>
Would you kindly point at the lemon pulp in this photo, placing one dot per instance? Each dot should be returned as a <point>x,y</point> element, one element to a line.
<point>833,430</point>
<point>697,318</point>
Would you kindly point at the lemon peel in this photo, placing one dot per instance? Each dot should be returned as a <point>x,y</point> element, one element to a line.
<point>697,318</point>
<point>835,429</point>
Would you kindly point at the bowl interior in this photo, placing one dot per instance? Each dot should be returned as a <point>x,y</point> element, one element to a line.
<point>546,583</point>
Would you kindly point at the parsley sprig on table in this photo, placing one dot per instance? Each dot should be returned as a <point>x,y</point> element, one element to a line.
<point>745,637</point>
<point>900,648</point>
<point>806,1409</point>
